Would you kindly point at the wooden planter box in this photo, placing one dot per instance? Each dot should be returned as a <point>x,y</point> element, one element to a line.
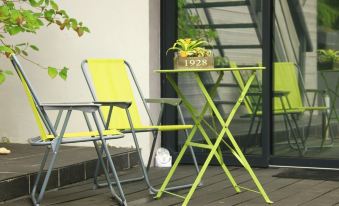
<point>327,65</point>
<point>193,62</point>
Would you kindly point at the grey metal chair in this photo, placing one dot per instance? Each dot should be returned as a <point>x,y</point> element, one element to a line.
<point>110,86</point>
<point>51,138</point>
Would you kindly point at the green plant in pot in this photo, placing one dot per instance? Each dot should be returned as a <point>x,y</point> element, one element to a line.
<point>328,59</point>
<point>191,54</point>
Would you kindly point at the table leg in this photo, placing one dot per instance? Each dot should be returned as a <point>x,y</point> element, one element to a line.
<point>225,129</point>
<point>215,148</point>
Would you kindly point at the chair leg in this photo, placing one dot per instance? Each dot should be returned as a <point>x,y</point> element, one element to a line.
<point>37,180</point>
<point>120,198</point>
<point>182,119</point>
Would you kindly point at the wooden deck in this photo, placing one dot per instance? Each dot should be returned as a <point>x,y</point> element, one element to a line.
<point>216,190</point>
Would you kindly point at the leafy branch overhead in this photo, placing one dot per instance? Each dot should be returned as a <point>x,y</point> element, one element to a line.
<point>29,16</point>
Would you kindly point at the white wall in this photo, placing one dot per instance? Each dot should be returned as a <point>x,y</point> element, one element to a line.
<point>126,29</point>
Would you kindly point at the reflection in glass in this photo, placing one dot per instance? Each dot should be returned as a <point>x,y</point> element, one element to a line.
<point>233,32</point>
<point>305,78</point>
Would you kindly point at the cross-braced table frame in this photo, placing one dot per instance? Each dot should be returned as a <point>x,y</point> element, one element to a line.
<point>214,147</point>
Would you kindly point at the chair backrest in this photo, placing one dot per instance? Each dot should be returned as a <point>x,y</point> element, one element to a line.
<point>109,80</point>
<point>32,99</point>
<point>286,79</point>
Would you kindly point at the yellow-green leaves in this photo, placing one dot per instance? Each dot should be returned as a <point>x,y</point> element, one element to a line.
<point>54,5</point>
<point>20,16</point>
<point>63,73</point>
<point>5,49</point>
<point>3,75</point>
<point>53,72</point>
<point>36,3</point>
<point>34,47</point>
<point>190,48</point>
<point>328,55</point>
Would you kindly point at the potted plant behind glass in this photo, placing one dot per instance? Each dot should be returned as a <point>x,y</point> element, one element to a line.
<point>328,59</point>
<point>190,54</point>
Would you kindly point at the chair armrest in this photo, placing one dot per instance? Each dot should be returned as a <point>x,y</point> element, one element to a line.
<point>121,104</point>
<point>170,101</point>
<point>280,93</point>
<point>254,93</point>
<point>323,91</point>
<point>84,107</point>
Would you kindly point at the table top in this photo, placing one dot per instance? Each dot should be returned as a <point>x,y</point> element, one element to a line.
<point>208,70</point>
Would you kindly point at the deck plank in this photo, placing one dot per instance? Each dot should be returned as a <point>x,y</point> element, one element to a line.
<point>216,190</point>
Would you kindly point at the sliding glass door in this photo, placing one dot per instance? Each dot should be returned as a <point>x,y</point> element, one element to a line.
<point>305,83</point>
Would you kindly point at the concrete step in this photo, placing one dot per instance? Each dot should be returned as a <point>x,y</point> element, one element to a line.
<point>18,170</point>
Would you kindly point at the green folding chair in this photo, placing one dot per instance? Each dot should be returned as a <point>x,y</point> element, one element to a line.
<point>110,83</point>
<point>287,102</point>
<point>51,136</point>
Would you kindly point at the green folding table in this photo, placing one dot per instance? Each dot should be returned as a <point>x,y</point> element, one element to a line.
<point>213,146</point>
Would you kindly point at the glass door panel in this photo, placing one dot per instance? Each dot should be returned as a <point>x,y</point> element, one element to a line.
<point>233,32</point>
<point>305,79</point>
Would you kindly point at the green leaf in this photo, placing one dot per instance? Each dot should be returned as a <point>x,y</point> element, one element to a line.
<point>36,3</point>
<point>63,73</point>
<point>52,72</point>
<point>5,49</point>
<point>49,14</point>
<point>14,30</point>
<point>86,29</point>
<point>34,47</point>
<point>4,12</point>
<point>2,77</point>
<point>74,23</point>
<point>54,5</point>
<point>24,52</point>
<point>22,44</point>
<point>8,72</point>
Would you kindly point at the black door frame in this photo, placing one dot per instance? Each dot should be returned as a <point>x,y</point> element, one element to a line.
<point>170,139</point>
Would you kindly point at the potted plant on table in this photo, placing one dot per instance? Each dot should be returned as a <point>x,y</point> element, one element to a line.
<point>191,54</point>
<point>328,59</point>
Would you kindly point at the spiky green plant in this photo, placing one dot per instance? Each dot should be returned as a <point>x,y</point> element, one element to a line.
<point>190,48</point>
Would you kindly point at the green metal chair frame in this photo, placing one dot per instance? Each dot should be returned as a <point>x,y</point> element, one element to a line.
<point>110,86</point>
<point>51,138</point>
<point>287,102</point>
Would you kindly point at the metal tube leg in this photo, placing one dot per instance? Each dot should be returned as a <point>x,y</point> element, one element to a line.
<point>122,198</point>
<point>115,175</point>
<point>37,180</point>
<point>142,166</point>
<point>248,167</point>
<point>227,172</point>
<point>55,154</point>
<point>155,137</point>
<point>186,135</point>
<point>176,163</point>
<point>109,183</point>
<point>48,174</point>
<point>204,167</point>
<point>96,170</point>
